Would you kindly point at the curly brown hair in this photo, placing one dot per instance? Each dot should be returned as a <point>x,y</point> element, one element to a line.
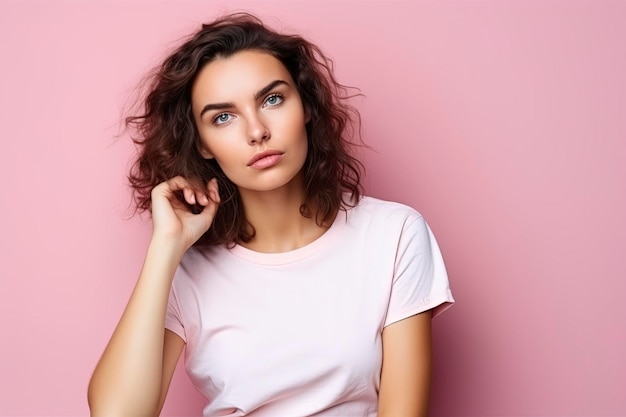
<point>167,139</point>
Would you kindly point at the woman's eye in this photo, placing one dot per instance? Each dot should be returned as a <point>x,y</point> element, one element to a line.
<point>221,118</point>
<point>274,100</point>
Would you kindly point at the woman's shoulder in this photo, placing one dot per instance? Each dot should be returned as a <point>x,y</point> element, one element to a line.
<point>384,209</point>
<point>198,259</point>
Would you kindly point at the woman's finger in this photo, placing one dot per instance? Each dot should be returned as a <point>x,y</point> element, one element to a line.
<point>179,188</point>
<point>206,216</point>
<point>201,198</point>
<point>213,190</point>
<point>190,196</point>
<point>177,183</point>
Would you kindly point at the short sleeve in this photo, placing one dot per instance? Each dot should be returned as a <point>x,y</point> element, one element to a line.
<point>420,280</point>
<point>173,319</point>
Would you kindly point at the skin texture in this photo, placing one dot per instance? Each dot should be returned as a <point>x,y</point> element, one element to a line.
<point>136,367</point>
<point>247,123</point>
<point>251,123</point>
<point>243,105</point>
<point>405,377</point>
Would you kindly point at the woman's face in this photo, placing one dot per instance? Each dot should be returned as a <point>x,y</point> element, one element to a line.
<point>251,120</point>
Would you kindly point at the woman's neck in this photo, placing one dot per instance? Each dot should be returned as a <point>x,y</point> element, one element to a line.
<point>275,215</point>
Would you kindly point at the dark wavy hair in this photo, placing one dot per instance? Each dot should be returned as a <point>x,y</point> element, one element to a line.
<point>167,139</point>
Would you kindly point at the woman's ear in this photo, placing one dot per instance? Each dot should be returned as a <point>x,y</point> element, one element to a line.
<point>307,114</point>
<point>204,152</point>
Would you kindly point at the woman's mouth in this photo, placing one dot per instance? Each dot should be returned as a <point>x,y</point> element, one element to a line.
<point>265,159</point>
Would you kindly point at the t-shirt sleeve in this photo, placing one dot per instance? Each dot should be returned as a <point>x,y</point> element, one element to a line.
<point>420,280</point>
<point>173,316</point>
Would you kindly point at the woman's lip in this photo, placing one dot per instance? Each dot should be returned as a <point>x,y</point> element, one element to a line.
<point>264,155</point>
<point>266,161</point>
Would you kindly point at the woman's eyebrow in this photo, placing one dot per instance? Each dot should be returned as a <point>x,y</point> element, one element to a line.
<point>257,95</point>
<point>263,91</point>
<point>216,106</point>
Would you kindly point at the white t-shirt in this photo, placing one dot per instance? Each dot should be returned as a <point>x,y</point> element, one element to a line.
<point>299,333</point>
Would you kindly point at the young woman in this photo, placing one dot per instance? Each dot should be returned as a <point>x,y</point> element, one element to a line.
<point>291,292</point>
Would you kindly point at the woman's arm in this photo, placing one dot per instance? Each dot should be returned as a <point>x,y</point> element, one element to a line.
<point>405,378</point>
<point>172,348</point>
<point>137,364</point>
<point>128,378</point>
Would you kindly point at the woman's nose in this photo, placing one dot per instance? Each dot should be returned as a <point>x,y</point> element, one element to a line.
<point>257,131</point>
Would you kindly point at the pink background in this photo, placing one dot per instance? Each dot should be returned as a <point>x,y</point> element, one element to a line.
<point>504,123</point>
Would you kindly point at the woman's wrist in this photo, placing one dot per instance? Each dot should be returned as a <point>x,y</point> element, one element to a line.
<point>166,249</point>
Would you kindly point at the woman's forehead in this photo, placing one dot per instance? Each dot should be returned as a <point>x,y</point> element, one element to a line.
<point>240,75</point>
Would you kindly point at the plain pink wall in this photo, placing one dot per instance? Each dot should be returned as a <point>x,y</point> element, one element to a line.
<point>504,123</point>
